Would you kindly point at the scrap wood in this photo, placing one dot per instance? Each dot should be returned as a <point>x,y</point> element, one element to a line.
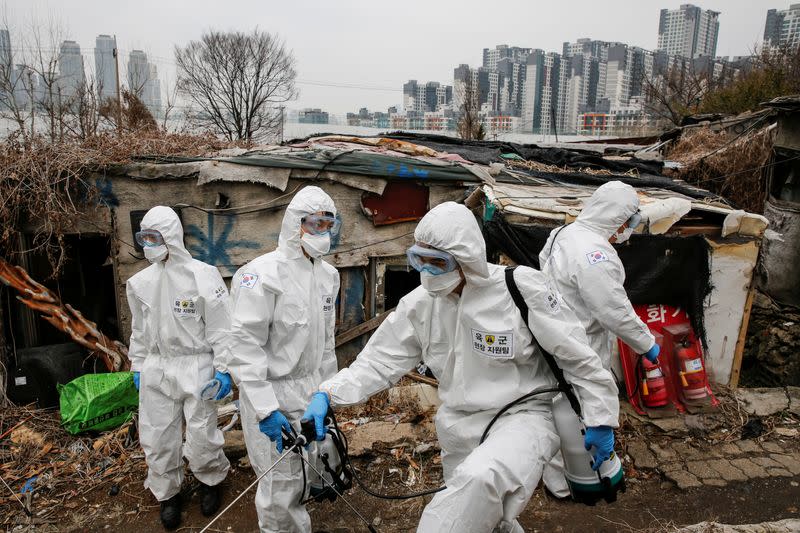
<point>65,318</point>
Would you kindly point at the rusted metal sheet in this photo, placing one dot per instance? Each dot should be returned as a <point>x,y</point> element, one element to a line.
<point>400,202</point>
<point>64,317</point>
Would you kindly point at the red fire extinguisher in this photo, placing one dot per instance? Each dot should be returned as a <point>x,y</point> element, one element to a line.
<point>692,371</point>
<point>654,386</point>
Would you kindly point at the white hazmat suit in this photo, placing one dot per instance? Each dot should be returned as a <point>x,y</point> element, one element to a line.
<point>479,347</point>
<point>589,274</point>
<point>282,347</point>
<point>180,316</point>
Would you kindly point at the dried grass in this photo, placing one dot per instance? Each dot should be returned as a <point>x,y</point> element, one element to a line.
<point>726,164</point>
<point>65,466</point>
<point>44,183</point>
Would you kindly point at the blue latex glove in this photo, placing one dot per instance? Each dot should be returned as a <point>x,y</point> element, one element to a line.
<point>602,439</point>
<point>652,353</point>
<point>271,427</point>
<point>226,384</point>
<point>136,380</point>
<point>316,411</point>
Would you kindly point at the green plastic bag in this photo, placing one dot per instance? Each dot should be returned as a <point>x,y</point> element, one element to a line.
<point>97,402</point>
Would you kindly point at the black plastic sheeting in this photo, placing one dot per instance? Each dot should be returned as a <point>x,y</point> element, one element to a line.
<point>647,173</point>
<point>485,152</point>
<point>666,270</point>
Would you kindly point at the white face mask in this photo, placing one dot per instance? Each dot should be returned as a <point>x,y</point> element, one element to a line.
<point>624,236</point>
<point>316,245</point>
<point>440,285</point>
<point>154,254</point>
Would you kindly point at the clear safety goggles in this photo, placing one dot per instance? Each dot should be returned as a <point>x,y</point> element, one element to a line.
<point>635,220</point>
<point>147,238</point>
<point>320,224</point>
<point>430,260</point>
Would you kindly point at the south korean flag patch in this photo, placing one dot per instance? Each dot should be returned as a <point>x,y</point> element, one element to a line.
<point>598,256</point>
<point>248,280</point>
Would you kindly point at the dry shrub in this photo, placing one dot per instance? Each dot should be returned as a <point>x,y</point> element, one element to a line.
<point>726,164</point>
<point>43,184</point>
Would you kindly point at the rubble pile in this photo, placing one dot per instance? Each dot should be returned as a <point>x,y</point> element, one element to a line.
<point>770,354</point>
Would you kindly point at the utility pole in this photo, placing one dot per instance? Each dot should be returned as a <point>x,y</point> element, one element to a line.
<point>281,108</point>
<point>119,98</point>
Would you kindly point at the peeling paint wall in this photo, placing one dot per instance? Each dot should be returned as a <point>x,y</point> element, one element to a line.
<point>732,267</point>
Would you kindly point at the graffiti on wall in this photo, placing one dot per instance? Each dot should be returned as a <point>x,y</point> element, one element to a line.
<point>213,245</point>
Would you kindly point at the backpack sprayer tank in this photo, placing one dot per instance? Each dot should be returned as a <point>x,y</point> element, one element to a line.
<point>585,485</point>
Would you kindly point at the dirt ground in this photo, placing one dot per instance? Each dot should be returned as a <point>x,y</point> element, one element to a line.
<point>648,505</point>
<point>654,501</point>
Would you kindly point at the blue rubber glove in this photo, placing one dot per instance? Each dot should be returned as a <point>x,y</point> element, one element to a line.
<point>602,439</point>
<point>226,384</point>
<point>136,380</point>
<point>316,411</point>
<point>652,353</point>
<point>271,427</point>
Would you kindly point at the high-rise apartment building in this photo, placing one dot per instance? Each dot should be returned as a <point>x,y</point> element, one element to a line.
<point>491,57</point>
<point>71,74</point>
<point>427,97</point>
<point>104,67</point>
<point>541,91</point>
<point>138,72</point>
<point>143,81</point>
<point>688,31</point>
<point>783,27</point>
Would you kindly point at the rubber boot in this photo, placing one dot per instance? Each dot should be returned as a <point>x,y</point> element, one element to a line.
<point>210,498</point>
<point>171,512</point>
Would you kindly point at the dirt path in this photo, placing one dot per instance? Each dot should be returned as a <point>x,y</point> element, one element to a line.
<point>648,505</point>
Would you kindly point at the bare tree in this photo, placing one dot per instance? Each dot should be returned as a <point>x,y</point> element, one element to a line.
<point>237,81</point>
<point>677,90</point>
<point>469,123</point>
<point>84,119</point>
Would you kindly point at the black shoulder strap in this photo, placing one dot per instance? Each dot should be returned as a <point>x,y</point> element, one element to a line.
<point>565,387</point>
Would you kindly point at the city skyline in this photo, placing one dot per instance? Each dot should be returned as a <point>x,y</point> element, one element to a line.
<point>343,72</point>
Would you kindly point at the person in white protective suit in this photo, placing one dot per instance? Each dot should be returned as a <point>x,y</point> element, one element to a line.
<point>588,273</point>
<point>180,316</point>
<point>463,322</point>
<point>282,347</point>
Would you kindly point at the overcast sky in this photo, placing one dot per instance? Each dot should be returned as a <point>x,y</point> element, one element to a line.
<point>375,46</point>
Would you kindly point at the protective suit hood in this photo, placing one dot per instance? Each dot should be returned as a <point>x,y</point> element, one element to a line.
<point>452,228</point>
<point>307,201</point>
<point>165,221</point>
<point>608,208</point>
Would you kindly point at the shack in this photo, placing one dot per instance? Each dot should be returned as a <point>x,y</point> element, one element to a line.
<point>231,204</point>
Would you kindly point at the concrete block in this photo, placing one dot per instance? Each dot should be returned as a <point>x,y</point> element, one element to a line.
<point>426,395</point>
<point>683,479</point>
<point>778,472</point>
<point>663,453</point>
<point>642,457</point>
<point>789,463</point>
<point>726,470</point>
<point>766,462</point>
<point>701,470</point>
<point>749,446</point>
<point>750,469</point>
<point>234,446</point>
<point>714,482</point>
<point>773,447</point>
<point>763,401</point>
